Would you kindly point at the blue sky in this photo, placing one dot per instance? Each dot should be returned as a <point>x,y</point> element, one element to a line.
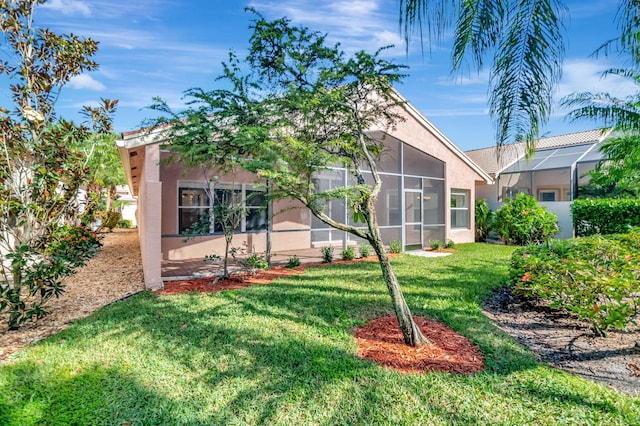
<point>162,47</point>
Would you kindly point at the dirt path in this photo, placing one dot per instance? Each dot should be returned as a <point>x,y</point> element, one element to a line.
<point>115,272</point>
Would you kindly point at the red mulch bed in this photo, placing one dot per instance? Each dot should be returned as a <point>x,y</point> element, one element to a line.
<point>379,341</point>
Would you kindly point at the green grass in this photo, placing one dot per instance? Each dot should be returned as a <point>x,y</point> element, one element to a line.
<point>283,354</point>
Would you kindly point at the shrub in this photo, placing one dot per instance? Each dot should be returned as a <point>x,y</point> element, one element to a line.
<point>605,216</point>
<point>483,218</point>
<point>595,277</point>
<point>349,253</point>
<point>327,254</point>
<point>365,250</point>
<point>395,246</point>
<point>42,270</point>
<point>111,219</point>
<point>255,261</point>
<point>293,262</point>
<point>125,223</point>
<point>522,221</point>
<point>435,244</point>
<point>450,244</point>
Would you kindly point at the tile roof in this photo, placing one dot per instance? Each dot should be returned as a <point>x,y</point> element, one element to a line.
<point>493,161</point>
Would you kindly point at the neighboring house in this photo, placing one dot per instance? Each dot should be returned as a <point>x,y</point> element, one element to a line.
<point>427,193</point>
<point>552,174</point>
<point>129,204</point>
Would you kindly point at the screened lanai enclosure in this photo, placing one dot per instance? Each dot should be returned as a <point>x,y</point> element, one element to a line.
<point>553,174</point>
<point>411,205</point>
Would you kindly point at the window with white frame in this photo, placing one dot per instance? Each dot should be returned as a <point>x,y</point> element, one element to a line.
<point>194,204</point>
<point>459,208</point>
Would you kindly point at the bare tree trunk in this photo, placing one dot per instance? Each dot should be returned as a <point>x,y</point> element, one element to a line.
<point>410,331</point>
<point>227,243</point>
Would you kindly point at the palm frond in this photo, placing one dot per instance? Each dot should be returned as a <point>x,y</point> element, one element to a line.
<point>478,29</point>
<point>527,68</point>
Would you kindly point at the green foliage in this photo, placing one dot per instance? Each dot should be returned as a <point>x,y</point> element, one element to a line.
<point>450,244</point>
<point>605,216</point>
<point>39,272</point>
<point>125,224</point>
<point>524,45</point>
<point>522,221</point>
<point>302,107</point>
<point>594,277</point>
<point>293,262</point>
<point>619,175</point>
<point>365,250</point>
<point>284,354</point>
<point>483,218</point>
<point>327,254</point>
<point>349,253</point>
<point>111,219</point>
<point>395,246</point>
<point>255,261</point>
<point>435,244</point>
<point>42,166</point>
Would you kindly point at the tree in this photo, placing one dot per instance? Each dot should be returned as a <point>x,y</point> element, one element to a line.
<point>105,170</point>
<point>302,108</point>
<point>523,41</point>
<point>40,167</point>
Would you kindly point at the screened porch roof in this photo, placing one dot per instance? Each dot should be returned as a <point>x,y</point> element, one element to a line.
<point>557,158</point>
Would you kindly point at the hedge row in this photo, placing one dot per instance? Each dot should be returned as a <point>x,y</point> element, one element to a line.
<point>596,277</point>
<point>605,216</point>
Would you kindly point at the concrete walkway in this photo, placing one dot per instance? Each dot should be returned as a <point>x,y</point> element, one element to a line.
<point>175,270</point>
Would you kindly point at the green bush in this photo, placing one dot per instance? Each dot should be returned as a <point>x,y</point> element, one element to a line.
<point>596,277</point>
<point>365,250</point>
<point>435,244</point>
<point>125,224</point>
<point>327,254</point>
<point>395,246</point>
<point>42,269</point>
<point>605,216</point>
<point>522,221</point>
<point>293,262</point>
<point>349,253</point>
<point>450,244</point>
<point>111,219</point>
<point>255,261</point>
<point>483,219</point>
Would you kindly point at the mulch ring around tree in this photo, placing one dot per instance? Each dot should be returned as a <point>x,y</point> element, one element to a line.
<point>379,341</point>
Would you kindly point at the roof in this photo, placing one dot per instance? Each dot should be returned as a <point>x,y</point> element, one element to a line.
<point>494,160</point>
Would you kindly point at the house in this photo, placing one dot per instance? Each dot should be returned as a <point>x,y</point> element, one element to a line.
<point>427,194</point>
<point>552,174</point>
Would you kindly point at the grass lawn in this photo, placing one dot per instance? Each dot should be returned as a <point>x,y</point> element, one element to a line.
<point>283,354</point>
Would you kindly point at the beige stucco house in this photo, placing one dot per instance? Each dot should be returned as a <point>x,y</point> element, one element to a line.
<point>428,192</point>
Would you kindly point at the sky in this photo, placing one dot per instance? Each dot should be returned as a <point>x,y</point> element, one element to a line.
<point>160,48</point>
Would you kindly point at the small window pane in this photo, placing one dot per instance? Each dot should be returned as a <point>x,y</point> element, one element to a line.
<point>193,197</point>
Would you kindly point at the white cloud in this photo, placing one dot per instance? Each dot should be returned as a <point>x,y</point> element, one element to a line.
<point>84,81</point>
<point>586,76</point>
<point>357,24</point>
<point>68,7</point>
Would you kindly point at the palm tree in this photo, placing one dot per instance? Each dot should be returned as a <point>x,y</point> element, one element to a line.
<point>524,43</point>
<point>622,114</point>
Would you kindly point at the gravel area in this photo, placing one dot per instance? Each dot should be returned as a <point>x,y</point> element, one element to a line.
<point>115,272</point>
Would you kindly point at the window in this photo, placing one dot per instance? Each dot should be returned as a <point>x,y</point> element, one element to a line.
<point>459,208</point>
<point>547,195</point>
<point>194,204</point>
